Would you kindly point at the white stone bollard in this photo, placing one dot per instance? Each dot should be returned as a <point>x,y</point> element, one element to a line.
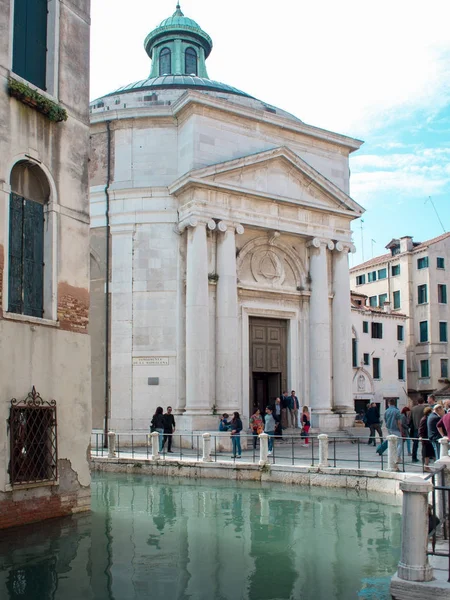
<point>413,565</point>
<point>263,449</point>
<point>323,450</point>
<point>206,447</point>
<point>111,444</point>
<point>155,445</point>
<point>392,441</point>
<point>444,447</point>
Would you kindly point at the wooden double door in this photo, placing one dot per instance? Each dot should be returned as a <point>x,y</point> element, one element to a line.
<point>268,362</point>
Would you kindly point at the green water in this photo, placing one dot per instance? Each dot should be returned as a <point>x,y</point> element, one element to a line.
<point>149,538</point>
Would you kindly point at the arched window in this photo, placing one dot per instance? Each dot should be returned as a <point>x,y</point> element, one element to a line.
<point>165,62</point>
<point>190,62</point>
<point>29,195</point>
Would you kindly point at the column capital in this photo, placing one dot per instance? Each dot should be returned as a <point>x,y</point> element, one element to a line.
<point>225,225</point>
<point>344,247</point>
<point>319,242</point>
<point>194,221</point>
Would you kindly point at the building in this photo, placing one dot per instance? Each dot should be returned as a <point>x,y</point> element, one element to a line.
<point>224,225</point>
<point>378,355</point>
<point>413,277</point>
<point>45,395</point>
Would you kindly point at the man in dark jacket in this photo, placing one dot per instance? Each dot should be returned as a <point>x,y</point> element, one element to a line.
<point>169,428</point>
<point>373,421</point>
<point>416,416</point>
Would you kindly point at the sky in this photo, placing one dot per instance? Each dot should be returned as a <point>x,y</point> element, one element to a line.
<point>378,71</point>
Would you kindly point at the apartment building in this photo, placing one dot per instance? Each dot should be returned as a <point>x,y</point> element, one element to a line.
<point>378,355</point>
<point>45,392</point>
<point>413,279</point>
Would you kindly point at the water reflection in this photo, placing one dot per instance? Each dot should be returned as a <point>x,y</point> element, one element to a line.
<point>154,538</point>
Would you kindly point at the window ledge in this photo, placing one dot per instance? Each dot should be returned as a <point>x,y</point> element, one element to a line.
<point>31,320</point>
<point>28,486</point>
<point>37,99</point>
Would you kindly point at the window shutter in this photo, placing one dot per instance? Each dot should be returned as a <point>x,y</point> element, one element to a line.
<point>33,259</point>
<point>15,254</point>
<point>20,37</point>
<point>36,42</point>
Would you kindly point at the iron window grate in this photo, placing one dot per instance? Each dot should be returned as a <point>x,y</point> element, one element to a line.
<point>33,440</point>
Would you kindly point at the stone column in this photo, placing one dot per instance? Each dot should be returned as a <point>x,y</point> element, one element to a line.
<point>263,449</point>
<point>393,456</point>
<point>319,334</point>
<point>198,398</point>
<point>155,445</point>
<point>342,334</point>
<point>413,565</point>
<point>227,325</point>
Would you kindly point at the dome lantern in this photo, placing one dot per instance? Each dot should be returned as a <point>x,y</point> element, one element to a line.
<point>178,46</point>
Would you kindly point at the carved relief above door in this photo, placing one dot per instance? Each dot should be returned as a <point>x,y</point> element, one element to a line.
<point>267,262</point>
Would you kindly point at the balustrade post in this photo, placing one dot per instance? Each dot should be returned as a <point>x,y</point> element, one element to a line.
<point>155,445</point>
<point>206,447</point>
<point>263,449</point>
<point>392,441</point>
<point>444,447</point>
<point>111,444</point>
<point>413,565</point>
<point>323,450</point>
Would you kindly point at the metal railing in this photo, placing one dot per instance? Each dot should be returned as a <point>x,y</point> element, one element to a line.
<point>350,452</point>
<point>438,516</point>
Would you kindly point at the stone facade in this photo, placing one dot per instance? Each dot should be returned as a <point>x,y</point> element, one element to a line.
<point>50,351</point>
<point>219,210</point>
<point>407,267</point>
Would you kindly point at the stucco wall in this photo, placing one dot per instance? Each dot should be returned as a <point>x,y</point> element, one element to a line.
<point>54,354</point>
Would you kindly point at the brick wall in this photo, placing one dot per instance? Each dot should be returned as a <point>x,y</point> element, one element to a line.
<point>73,308</point>
<point>25,506</point>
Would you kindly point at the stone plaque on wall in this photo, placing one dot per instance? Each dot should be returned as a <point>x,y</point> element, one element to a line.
<point>150,361</point>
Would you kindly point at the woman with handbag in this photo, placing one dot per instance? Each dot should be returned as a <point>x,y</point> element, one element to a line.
<point>406,427</point>
<point>236,428</point>
<point>256,426</point>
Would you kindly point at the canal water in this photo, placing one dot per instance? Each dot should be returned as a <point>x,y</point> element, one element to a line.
<point>175,539</point>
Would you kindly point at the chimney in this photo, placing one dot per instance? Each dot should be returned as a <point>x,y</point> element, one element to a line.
<point>406,243</point>
<point>387,307</point>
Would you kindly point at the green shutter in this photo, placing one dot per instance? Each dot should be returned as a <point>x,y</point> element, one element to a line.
<point>15,254</point>
<point>33,258</point>
<point>20,37</point>
<point>30,40</point>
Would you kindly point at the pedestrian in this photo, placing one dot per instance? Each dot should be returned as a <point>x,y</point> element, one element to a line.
<point>223,423</point>
<point>392,418</point>
<point>372,420</point>
<point>427,446</point>
<point>431,400</point>
<point>269,427</point>
<point>157,424</point>
<point>433,433</point>
<point>306,424</point>
<point>447,406</point>
<point>236,428</point>
<point>277,417</point>
<point>256,426</point>
<point>169,429</point>
<point>284,410</point>
<point>443,426</point>
<point>416,416</point>
<point>406,427</point>
<point>293,409</point>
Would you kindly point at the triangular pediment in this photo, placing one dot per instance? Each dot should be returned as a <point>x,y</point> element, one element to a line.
<point>278,174</point>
